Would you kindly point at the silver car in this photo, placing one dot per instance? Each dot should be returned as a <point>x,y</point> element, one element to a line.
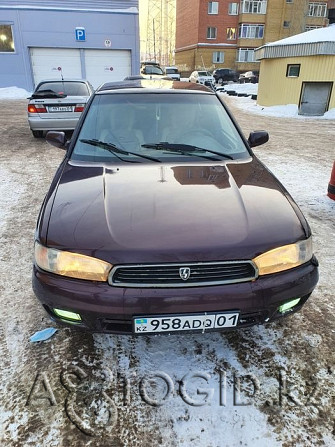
<point>57,105</point>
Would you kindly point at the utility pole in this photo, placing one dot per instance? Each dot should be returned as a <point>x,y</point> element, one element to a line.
<point>161,30</point>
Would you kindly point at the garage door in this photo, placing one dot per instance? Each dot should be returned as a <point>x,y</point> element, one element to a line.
<point>107,65</point>
<point>98,65</point>
<point>49,63</point>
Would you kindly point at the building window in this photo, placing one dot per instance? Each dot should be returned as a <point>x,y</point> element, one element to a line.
<point>317,9</point>
<point>233,9</point>
<point>245,55</point>
<point>213,7</point>
<point>231,33</point>
<point>211,32</point>
<point>286,24</point>
<point>6,39</point>
<point>251,31</point>
<point>254,7</point>
<point>218,57</point>
<point>293,70</point>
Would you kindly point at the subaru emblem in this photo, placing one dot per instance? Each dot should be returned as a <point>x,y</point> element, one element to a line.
<point>184,273</point>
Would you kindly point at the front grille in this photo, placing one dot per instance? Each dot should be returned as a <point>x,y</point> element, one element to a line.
<point>171,275</point>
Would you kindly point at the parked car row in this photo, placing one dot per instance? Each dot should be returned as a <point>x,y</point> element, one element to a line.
<point>223,76</point>
<point>57,104</point>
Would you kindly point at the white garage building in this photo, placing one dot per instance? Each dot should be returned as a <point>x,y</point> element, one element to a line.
<point>41,39</point>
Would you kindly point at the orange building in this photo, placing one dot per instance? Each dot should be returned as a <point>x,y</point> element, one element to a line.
<point>225,34</point>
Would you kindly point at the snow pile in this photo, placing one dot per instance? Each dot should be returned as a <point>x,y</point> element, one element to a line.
<point>13,93</point>
<point>281,111</point>
<point>249,88</point>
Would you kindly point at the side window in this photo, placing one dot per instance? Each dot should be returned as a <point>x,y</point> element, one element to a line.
<point>218,57</point>
<point>213,7</point>
<point>211,32</point>
<point>6,39</point>
<point>293,70</point>
<point>233,9</point>
<point>231,33</point>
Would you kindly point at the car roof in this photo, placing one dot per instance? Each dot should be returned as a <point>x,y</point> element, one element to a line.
<point>63,80</point>
<point>153,85</point>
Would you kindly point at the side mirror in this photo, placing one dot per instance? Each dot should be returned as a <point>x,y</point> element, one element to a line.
<point>257,138</point>
<point>57,139</point>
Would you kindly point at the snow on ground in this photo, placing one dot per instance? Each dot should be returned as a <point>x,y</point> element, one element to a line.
<point>282,111</point>
<point>213,391</point>
<point>13,93</point>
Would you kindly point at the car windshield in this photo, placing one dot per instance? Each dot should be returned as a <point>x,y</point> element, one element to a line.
<point>164,127</point>
<point>152,69</point>
<point>68,88</point>
<point>171,70</point>
<point>204,73</point>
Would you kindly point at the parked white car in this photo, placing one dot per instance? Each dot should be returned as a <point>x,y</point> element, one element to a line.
<point>172,72</point>
<point>201,77</point>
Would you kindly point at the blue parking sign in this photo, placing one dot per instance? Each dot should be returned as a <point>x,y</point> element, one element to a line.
<point>80,34</point>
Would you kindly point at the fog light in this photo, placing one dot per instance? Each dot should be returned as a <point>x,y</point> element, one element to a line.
<point>287,306</point>
<point>67,315</point>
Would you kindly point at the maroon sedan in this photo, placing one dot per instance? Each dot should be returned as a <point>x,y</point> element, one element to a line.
<point>161,219</point>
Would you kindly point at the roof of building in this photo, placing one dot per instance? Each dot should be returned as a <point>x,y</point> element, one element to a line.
<point>319,41</point>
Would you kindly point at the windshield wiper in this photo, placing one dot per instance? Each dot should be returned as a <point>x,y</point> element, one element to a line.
<point>184,149</point>
<point>110,147</point>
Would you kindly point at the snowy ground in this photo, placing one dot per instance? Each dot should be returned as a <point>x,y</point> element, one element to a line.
<point>265,386</point>
<point>250,105</point>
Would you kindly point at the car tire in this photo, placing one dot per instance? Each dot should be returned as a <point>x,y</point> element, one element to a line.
<point>38,133</point>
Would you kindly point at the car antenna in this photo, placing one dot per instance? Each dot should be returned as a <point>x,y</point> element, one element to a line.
<point>61,74</point>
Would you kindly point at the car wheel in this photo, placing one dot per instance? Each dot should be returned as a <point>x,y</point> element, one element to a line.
<point>38,133</point>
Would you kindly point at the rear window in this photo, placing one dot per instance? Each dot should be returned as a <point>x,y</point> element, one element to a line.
<point>66,88</point>
<point>153,70</point>
<point>171,70</point>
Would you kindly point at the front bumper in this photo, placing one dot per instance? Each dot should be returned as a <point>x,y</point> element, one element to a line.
<point>104,308</point>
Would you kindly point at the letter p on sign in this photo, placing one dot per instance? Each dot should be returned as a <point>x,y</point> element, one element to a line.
<point>80,34</point>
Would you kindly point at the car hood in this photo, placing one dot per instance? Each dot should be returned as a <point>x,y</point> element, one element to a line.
<point>169,213</point>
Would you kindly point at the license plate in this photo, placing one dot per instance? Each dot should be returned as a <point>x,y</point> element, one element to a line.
<point>180,323</point>
<point>60,108</point>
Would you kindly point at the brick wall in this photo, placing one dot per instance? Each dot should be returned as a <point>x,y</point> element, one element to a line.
<point>187,22</point>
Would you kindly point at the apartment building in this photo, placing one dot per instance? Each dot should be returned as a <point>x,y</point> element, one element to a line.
<point>215,34</point>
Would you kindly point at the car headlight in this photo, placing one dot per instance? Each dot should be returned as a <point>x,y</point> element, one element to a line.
<point>285,257</point>
<point>70,264</point>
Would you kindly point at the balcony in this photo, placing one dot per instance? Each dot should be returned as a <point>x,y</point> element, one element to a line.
<point>253,7</point>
